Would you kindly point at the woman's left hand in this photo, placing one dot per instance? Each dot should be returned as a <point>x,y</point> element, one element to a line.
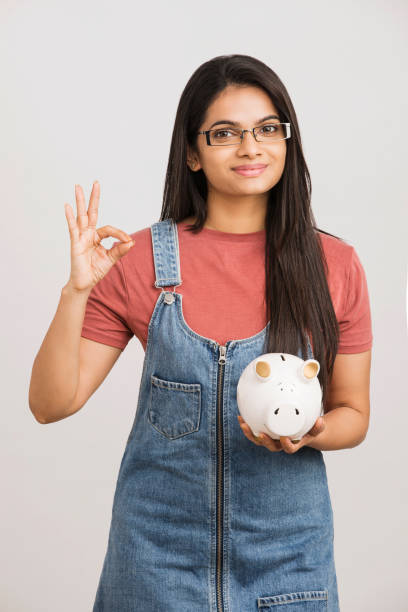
<point>284,442</point>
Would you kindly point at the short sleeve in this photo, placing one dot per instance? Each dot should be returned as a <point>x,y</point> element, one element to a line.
<point>355,322</point>
<point>105,318</point>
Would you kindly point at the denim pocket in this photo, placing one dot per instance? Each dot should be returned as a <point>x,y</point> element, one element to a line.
<point>302,601</point>
<point>174,407</point>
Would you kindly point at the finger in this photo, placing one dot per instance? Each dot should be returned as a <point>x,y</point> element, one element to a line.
<point>270,443</point>
<point>72,224</point>
<point>94,205</point>
<point>286,444</point>
<point>118,250</point>
<point>108,231</point>
<point>248,433</point>
<point>289,446</point>
<point>317,427</point>
<point>82,217</point>
<point>261,440</point>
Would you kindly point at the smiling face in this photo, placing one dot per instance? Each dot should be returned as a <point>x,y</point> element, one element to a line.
<point>243,107</point>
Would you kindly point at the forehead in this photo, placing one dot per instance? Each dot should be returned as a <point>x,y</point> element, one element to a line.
<point>242,104</point>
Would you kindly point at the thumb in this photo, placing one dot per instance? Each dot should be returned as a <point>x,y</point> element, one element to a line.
<point>318,427</point>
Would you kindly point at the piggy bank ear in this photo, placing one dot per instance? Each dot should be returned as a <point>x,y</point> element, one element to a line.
<point>310,369</point>
<point>263,370</point>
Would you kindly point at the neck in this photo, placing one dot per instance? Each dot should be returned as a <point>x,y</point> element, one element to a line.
<point>236,215</point>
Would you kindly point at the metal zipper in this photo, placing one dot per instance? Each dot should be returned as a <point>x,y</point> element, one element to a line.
<point>220,475</point>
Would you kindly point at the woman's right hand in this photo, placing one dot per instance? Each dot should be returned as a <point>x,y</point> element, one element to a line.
<point>90,261</point>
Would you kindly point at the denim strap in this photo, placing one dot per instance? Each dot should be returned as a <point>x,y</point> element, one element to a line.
<point>166,253</point>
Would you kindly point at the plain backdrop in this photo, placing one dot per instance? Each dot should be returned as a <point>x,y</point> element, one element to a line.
<point>81,82</point>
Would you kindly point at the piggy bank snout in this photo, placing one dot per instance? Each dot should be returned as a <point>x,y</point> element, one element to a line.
<point>285,419</point>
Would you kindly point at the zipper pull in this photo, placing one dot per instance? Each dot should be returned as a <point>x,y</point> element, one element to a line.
<point>222,354</point>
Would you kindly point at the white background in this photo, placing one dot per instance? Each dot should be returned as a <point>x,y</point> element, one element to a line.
<point>80,84</point>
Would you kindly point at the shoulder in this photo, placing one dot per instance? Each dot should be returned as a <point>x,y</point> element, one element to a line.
<point>340,256</point>
<point>346,277</point>
<point>337,250</point>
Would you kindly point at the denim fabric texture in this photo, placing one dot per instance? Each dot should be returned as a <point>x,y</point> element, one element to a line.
<point>203,520</point>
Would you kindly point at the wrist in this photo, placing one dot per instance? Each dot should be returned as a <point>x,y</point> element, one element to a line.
<point>69,291</point>
<point>345,427</point>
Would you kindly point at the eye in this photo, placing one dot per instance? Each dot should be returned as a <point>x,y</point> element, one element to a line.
<point>222,134</point>
<point>269,129</point>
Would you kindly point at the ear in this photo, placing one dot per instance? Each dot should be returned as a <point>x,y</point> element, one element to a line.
<point>263,369</point>
<point>310,369</point>
<point>192,160</point>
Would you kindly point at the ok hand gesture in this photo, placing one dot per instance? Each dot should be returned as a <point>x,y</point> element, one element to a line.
<point>90,261</point>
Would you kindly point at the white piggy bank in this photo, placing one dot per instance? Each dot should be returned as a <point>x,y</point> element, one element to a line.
<point>279,394</point>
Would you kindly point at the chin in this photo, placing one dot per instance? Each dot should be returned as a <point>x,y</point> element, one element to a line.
<point>252,186</point>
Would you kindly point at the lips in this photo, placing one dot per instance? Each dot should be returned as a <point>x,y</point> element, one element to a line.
<point>250,169</point>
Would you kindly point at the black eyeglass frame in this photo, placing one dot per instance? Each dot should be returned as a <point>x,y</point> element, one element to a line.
<point>259,127</point>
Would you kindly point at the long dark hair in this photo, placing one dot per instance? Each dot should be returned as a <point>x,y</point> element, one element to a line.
<point>298,301</point>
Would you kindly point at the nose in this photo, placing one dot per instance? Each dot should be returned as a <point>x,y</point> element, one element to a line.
<point>286,420</point>
<point>249,146</point>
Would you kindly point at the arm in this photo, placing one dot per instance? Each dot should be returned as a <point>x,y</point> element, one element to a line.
<point>68,368</point>
<point>347,409</point>
<point>55,372</point>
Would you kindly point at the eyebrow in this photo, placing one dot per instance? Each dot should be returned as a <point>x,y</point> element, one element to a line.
<point>222,121</point>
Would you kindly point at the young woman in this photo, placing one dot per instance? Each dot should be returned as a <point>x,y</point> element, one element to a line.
<point>206,517</point>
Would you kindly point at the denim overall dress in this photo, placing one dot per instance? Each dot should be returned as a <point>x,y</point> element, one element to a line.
<point>203,519</point>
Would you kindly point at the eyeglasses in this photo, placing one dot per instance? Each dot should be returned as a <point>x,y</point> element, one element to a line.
<point>231,136</point>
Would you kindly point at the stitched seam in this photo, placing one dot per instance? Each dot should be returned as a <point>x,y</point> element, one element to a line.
<point>175,388</point>
<point>348,285</point>
<point>122,270</point>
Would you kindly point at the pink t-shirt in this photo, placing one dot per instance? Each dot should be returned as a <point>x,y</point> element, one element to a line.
<point>223,287</point>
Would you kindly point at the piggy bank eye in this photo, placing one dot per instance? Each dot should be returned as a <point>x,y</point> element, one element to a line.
<point>281,385</point>
<point>263,370</point>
